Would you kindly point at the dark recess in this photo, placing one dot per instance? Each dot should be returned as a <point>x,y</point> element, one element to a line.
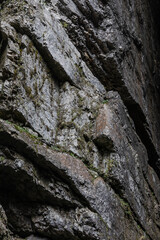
<point>3,43</point>
<point>142,131</point>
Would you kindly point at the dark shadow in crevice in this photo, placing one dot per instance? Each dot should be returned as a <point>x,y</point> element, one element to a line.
<point>142,130</point>
<point>3,47</point>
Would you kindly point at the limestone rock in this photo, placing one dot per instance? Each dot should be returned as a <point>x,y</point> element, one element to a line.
<point>79,120</point>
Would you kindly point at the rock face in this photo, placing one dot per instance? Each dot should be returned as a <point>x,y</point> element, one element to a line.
<point>79,120</point>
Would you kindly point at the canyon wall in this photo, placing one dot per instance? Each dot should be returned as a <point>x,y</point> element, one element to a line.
<point>79,120</point>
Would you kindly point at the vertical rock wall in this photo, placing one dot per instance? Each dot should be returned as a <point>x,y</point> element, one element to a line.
<point>79,120</point>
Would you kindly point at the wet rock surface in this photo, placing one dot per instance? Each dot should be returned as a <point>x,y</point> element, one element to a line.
<point>79,120</point>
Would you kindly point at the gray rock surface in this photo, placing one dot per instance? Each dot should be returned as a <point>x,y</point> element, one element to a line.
<point>79,120</point>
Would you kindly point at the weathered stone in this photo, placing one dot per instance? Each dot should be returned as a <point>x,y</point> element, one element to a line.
<point>125,164</point>
<point>93,193</point>
<point>79,120</point>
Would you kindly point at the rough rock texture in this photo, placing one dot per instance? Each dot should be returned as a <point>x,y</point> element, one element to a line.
<point>79,120</point>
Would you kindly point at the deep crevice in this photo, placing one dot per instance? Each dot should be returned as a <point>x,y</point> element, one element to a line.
<point>141,127</point>
<point>3,46</point>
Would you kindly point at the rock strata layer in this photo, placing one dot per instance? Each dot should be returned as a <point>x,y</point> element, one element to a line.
<point>79,120</point>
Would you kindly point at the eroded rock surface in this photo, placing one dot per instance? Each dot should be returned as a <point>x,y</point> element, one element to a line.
<point>79,120</point>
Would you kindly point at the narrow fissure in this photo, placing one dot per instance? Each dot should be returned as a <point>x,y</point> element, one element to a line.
<point>140,126</point>
<point>3,47</point>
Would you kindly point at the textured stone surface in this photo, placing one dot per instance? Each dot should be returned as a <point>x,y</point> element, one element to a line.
<point>79,120</point>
